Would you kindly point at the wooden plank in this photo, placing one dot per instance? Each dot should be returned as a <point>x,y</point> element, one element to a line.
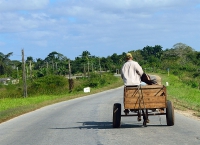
<point>145,95</point>
<point>131,92</point>
<point>156,92</point>
<point>146,100</point>
<point>152,86</point>
<point>147,106</point>
<point>146,87</point>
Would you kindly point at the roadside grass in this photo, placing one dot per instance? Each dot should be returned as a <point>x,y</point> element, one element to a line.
<point>183,96</point>
<point>13,107</point>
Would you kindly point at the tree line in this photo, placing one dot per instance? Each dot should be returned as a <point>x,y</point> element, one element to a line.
<point>181,60</point>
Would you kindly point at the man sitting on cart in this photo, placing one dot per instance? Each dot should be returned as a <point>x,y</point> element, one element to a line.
<point>131,73</point>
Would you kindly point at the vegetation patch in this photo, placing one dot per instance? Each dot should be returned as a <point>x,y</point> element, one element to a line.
<point>12,107</point>
<point>182,95</point>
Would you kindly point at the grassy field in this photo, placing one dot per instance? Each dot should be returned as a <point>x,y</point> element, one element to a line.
<point>11,108</point>
<point>183,97</point>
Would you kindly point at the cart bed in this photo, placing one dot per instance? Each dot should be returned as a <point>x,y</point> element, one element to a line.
<point>145,97</point>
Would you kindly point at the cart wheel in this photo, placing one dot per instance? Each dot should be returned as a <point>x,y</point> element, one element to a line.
<point>170,113</point>
<point>116,115</point>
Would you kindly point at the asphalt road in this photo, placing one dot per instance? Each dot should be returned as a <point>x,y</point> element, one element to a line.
<point>88,121</point>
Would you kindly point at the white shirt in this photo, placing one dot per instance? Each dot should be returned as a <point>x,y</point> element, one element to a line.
<point>131,73</point>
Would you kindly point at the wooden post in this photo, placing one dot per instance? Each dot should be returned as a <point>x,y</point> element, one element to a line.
<point>71,82</point>
<point>117,71</point>
<point>56,66</point>
<point>88,68</point>
<point>30,67</point>
<point>24,75</point>
<point>168,71</point>
<point>92,66</point>
<point>99,66</point>
<point>84,71</point>
<point>69,67</point>
<point>53,66</point>
<point>26,71</point>
<point>17,73</point>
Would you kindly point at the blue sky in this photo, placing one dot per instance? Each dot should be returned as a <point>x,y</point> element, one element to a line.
<point>102,27</point>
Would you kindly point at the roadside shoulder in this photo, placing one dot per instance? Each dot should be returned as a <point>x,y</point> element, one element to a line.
<point>188,113</point>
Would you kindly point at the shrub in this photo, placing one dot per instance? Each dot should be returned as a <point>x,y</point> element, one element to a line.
<point>51,84</point>
<point>56,85</point>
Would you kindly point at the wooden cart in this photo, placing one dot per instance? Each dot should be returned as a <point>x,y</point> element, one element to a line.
<point>140,99</point>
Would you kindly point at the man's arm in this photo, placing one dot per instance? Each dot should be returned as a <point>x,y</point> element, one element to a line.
<point>139,69</point>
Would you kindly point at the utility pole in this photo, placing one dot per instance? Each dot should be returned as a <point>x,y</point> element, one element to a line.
<point>30,67</point>
<point>88,68</point>
<point>99,66</point>
<point>92,67</point>
<point>17,73</point>
<point>24,75</point>
<point>69,67</point>
<point>26,72</point>
<point>71,82</point>
<point>84,71</point>
<point>56,66</point>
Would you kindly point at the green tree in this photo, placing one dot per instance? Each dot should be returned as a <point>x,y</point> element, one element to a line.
<point>182,51</point>
<point>4,63</point>
<point>155,51</point>
<point>57,62</point>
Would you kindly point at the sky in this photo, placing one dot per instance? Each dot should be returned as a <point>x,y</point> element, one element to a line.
<point>102,27</point>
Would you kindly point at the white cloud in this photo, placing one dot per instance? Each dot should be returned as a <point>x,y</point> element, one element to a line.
<point>12,5</point>
<point>40,16</point>
<point>14,22</point>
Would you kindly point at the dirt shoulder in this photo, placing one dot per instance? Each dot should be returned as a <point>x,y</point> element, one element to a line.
<point>188,113</point>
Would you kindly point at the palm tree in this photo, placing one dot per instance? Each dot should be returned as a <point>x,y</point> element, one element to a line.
<point>85,57</point>
<point>57,60</point>
<point>4,62</point>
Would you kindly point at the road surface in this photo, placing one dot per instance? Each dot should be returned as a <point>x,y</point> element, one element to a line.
<point>88,121</point>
